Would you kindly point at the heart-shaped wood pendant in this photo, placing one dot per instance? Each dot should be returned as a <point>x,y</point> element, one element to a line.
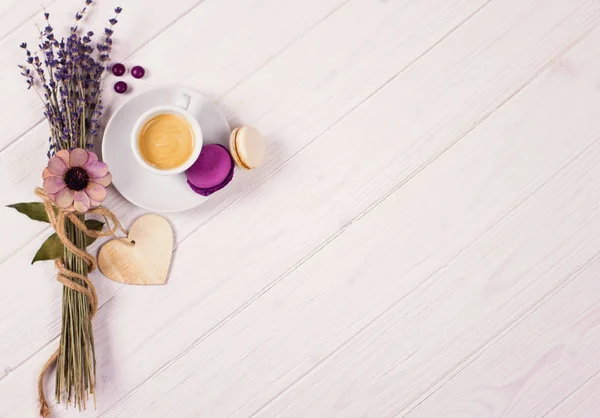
<point>141,258</point>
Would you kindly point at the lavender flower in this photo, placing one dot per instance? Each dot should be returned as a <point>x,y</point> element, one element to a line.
<point>67,73</point>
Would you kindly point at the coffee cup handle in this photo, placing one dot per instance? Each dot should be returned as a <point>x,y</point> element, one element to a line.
<point>184,101</point>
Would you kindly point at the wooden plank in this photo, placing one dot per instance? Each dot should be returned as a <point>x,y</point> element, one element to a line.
<point>16,176</point>
<point>264,232</point>
<point>373,321</point>
<point>14,13</point>
<point>28,397</point>
<point>582,403</point>
<point>528,370</point>
<point>459,302</point>
<point>292,205</point>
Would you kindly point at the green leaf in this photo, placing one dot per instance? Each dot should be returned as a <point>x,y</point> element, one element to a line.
<point>94,225</point>
<point>35,210</point>
<point>52,248</point>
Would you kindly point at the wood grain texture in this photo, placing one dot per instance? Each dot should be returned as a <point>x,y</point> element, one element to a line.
<point>583,402</point>
<point>427,208</point>
<point>143,257</point>
<point>385,313</point>
<point>14,13</point>
<point>551,350</point>
<point>19,177</point>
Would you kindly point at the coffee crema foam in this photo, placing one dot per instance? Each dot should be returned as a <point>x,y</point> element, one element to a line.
<point>166,141</point>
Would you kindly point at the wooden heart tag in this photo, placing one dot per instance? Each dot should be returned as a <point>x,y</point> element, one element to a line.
<point>141,258</point>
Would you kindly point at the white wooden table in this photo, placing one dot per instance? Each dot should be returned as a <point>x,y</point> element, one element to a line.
<point>422,241</point>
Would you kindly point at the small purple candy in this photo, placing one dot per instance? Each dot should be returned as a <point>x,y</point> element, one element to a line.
<point>118,69</point>
<point>120,87</point>
<point>212,171</point>
<point>138,71</point>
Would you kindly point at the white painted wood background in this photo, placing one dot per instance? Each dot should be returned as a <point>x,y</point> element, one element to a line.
<point>422,240</point>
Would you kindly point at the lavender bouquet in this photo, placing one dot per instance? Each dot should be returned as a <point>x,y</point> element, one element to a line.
<point>67,75</point>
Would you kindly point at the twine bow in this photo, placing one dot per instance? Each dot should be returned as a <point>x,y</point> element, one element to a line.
<point>58,218</point>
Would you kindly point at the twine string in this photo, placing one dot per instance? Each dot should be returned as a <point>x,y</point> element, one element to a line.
<point>58,218</point>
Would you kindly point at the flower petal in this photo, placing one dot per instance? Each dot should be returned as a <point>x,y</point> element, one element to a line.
<point>54,184</point>
<point>105,181</point>
<point>78,157</point>
<point>96,191</point>
<point>82,201</point>
<point>64,198</point>
<point>46,173</point>
<point>57,166</point>
<point>97,170</point>
<point>63,154</point>
<point>92,157</point>
<point>94,204</point>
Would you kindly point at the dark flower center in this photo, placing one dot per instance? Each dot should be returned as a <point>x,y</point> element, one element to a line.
<point>77,178</point>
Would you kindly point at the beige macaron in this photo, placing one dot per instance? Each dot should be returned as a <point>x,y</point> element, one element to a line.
<point>247,147</point>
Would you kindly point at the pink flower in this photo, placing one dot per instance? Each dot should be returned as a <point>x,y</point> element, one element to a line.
<point>76,180</point>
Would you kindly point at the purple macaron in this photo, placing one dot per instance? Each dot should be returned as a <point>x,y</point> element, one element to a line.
<point>212,171</point>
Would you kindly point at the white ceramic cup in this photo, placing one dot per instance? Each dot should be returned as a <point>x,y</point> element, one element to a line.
<point>172,110</point>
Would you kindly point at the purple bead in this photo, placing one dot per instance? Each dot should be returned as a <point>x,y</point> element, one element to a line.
<point>120,87</point>
<point>118,70</point>
<point>138,71</point>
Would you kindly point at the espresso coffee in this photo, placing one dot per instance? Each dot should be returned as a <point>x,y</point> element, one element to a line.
<point>166,141</point>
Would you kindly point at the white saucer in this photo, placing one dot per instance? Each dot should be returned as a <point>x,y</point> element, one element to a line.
<point>141,187</point>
